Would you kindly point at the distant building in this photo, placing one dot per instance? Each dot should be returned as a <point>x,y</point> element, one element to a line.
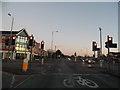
<point>36,50</point>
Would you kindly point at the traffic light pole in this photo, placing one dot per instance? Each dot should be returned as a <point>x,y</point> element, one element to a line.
<point>94,53</point>
<point>31,57</point>
<point>108,46</point>
<point>108,51</point>
<point>108,67</point>
<point>9,46</point>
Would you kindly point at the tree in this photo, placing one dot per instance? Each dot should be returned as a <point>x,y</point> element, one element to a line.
<point>58,52</point>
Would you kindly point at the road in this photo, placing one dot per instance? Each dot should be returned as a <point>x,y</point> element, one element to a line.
<point>64,73</point>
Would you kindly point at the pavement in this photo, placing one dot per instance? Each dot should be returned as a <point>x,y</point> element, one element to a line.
<point>15,67</point>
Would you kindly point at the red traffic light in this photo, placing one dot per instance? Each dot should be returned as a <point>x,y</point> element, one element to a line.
<point>110,38</point>
<point>95,44</point>
<point>13,37</point>
<point>31,37</point>
<point>42,42</point>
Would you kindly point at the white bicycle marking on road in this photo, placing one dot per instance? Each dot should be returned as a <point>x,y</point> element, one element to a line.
<point>81,81</point>
<point>87,82</point>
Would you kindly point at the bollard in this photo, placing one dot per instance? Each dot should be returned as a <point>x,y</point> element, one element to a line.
<point>75,59</point>
<point>101,63</point>
<point>42,60</point>
<point>25,65</point>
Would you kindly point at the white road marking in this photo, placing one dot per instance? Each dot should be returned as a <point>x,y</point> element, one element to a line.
<point>13,80</point>
<point>86,82</point>
<point>81,81</point>
<point>67,83</point>
<point>23,81</point>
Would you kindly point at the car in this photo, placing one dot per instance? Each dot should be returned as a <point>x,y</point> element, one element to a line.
<point>83,60</point>
<point>69,59</point>
<point>86,60</point>
<point>90,61</point>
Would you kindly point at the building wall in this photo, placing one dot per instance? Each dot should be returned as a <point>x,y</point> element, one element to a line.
<point>19,48</point>
<point>36,48</point>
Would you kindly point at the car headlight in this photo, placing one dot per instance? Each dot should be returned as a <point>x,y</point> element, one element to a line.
<point>89,61</point>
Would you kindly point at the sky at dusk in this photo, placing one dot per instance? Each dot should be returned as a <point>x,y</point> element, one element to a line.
<point>77,23</point>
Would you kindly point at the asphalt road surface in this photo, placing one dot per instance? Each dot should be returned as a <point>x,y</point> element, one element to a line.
<point>64,73</point>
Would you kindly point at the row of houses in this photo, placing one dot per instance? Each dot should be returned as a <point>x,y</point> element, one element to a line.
<point>20,50</point>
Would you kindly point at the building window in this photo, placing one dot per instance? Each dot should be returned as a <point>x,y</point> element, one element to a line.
<point>3,45</point>
<point>0,45</point>
<point>3,37</point>
<point>26,38</point>
<point>17,45</point>
<point>18,39</point>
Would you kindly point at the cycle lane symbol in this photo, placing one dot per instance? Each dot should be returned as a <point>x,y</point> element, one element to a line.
<point>80,81</point>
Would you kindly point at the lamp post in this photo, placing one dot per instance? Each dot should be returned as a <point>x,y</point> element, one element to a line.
<point>52,40</point>
<point>100,41</point>
<point>52,43</point>
<point>10,44</point>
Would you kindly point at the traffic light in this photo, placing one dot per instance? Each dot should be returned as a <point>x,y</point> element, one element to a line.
<point>13,40</point>
<point>7,41</point>
<point>109,40</point>
<point>94,46</point>
<point>31,39</point>
<point>109,43</point>
<point>42,45</point>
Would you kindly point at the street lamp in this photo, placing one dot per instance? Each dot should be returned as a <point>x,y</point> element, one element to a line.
<point>100,41</point>
<point>11,31</point>
<point>52,40</point>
